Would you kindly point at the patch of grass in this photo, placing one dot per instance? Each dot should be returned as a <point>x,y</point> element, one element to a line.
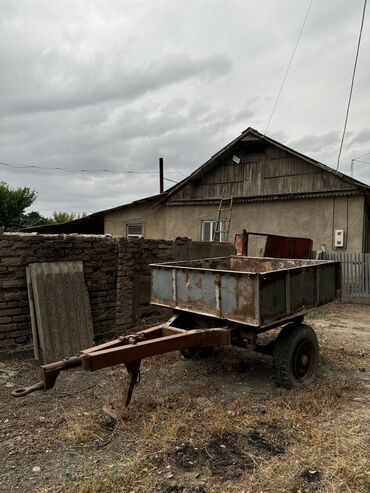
<point>77,428</point>
<point>318,449</point>
<point>131,475</point>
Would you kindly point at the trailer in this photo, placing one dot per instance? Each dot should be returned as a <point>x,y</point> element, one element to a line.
<point>225,301</point>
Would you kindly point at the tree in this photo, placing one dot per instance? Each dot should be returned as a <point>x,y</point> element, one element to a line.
<point>64,217</point>
<point>33,219</point>
<point>13,202</point>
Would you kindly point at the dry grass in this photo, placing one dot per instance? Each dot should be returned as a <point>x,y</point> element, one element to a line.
<point>79,427</point>
<point>200,427</point>
<point>309,424</point>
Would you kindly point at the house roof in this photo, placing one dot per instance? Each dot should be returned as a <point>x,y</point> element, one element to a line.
<point>96,218</point>
<point>212,162</point>
<point>252,132</point>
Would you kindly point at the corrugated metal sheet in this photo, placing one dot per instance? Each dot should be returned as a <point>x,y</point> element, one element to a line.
<point>60,309</point>
<point>355,273</point>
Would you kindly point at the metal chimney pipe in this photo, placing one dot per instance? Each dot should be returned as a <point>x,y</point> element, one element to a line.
<point>161,185</point>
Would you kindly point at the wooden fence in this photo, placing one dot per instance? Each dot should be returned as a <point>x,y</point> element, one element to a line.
<point>355,273</point>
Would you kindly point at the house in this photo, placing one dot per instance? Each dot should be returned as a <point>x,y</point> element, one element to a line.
<point>276,190</point>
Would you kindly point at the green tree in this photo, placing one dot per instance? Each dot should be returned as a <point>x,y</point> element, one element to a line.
<point>64,217</point>
<point>13,202</point>
<point>33,219</point>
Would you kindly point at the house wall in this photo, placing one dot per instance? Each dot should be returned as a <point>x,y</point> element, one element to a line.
<point>367,228</point>
<point>316,218</point>
<point>151,215</point>
<point>313,218</point>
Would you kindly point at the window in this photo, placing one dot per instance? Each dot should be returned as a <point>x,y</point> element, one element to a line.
<point>208,229</point>
<point>134,230</point>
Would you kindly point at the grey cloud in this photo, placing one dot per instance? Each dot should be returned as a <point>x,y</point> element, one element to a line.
<point>140,79</point>
<point>185,133</point>
<point>325,148</point>
<point>76,89</point>
<point>362,137</point>
<point>312,143</point>
<point>244,114</point>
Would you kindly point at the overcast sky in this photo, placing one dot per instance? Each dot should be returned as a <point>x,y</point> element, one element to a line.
<point>115,84</point>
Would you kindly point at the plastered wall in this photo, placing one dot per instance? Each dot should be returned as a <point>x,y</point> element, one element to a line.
<point>316,218</point>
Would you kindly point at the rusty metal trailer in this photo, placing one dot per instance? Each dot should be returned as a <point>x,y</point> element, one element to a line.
<point>220,302</point>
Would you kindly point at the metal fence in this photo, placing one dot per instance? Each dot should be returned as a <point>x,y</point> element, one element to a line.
<point>355,273</point>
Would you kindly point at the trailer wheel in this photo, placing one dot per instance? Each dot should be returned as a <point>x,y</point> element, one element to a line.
<point>295,356</point>
<point>197,352</point>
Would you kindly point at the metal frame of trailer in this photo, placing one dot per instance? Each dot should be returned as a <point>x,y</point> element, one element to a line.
<point>225,301</point>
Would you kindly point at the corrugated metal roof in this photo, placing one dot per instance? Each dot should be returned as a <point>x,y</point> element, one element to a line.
<point>266,198</point>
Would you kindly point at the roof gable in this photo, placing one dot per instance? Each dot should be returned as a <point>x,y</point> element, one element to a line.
<point>332,181</point>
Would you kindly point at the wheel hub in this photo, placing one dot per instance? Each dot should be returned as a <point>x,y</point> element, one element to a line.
<point>303,361</point>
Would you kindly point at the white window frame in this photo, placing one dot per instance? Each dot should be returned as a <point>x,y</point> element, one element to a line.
<point>213,224</point>
<point>134,235</point>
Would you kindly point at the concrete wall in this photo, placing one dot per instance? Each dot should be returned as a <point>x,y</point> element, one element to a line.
<point>313,218</point>
<point>116,272</point>
<point>367,228</point>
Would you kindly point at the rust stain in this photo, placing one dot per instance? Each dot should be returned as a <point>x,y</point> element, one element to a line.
<point>199,283</point>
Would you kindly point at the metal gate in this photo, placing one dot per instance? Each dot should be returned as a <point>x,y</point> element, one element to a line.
<point>355,273</point>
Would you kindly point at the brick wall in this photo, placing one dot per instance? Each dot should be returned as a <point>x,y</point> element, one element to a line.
<point>99,255</point>
<point>133,281</point>
<point>117,275</point>
<point>134,274</point>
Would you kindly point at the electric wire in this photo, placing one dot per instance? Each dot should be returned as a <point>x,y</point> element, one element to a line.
<point>77,170</point>
<point>93,171</point>
<point>362,162</point>
<point>168,179</point>
<point>346,117</point>
<point>288,68</point>
<point>73,170</point>
<point>362,155</point>
<point>352,84</point>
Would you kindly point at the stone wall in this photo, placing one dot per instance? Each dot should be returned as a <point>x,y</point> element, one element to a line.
<point>117,275</point>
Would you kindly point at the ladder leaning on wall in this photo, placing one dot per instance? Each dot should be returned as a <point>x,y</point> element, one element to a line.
<point>223,218</point>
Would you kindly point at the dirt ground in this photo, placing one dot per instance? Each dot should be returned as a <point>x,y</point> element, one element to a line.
<point>215,425</point>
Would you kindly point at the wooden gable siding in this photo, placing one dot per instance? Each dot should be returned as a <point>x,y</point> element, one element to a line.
<point>272,171</point>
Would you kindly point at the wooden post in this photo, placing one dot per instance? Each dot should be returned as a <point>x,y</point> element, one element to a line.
<point>161,186</point>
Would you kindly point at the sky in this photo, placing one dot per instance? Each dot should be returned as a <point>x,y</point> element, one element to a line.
<point>114,85</point>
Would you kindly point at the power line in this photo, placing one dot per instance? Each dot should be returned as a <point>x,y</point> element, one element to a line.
<point>75,170</point>
<point>352,83</point>
<point>168,179</point>
<point>362,155</point>
<point>359,161</point>
<point>288,68</point>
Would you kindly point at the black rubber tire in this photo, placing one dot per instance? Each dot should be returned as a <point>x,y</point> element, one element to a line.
<point>197,352</point>
<point>295,356</point>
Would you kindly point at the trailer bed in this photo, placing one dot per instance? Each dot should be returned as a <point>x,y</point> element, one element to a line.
<point>258,292</point>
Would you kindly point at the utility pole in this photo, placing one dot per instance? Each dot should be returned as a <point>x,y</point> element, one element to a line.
<point>358,158</point>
